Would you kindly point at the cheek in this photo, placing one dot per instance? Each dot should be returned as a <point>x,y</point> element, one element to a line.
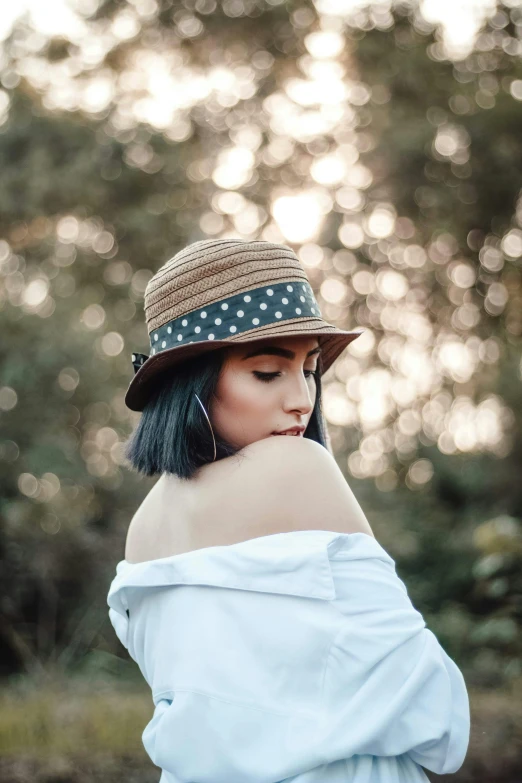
<point>243,394</point>
<point>255,395</point>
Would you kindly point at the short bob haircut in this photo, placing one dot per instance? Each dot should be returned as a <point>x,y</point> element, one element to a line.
<point>173,434</point>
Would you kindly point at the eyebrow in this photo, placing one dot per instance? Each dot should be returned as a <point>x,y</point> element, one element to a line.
<point>275,350</point>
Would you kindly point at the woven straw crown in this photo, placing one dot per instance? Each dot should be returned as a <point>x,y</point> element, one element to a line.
<point>218,292</point>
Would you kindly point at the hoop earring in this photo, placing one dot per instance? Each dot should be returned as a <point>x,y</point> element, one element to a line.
<point>209,424</point>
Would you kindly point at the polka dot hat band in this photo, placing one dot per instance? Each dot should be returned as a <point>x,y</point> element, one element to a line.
<point>219,292</point>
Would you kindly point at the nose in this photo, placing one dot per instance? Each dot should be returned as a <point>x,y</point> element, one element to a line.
<point>299,395</point>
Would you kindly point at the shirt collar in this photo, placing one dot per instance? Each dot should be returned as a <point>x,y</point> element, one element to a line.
<point>294,563</point>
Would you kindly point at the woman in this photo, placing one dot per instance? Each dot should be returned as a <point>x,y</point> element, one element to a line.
<point>277,639</point>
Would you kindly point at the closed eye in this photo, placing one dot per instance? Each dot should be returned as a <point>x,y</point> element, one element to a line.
<point>266,377</point>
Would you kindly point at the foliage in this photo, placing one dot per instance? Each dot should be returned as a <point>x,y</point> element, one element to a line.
<point>149,129</point>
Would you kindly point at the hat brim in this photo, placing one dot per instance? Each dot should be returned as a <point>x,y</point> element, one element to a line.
<point>333,341</point>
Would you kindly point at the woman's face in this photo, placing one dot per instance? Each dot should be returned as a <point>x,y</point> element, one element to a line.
<point>265,387</point>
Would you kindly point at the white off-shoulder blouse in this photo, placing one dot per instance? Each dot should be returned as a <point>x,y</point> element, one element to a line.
<point>290,657</point>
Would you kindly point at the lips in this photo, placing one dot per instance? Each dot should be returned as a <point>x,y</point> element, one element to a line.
<point>292,432</point>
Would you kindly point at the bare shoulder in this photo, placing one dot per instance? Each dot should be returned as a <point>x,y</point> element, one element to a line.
<point>281,448</point>
<point>298,484</point>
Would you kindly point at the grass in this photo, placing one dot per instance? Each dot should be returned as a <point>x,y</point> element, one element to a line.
<point>58,718</point>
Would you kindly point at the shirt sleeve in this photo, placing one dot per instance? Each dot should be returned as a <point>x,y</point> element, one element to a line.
<point>389,687</point>
<point>120,624</point>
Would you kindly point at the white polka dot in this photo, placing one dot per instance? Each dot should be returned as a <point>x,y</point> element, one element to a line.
<point>169,330</point>
<point>240,313</point>
<point>133,357</point>
<point>163,344</point>
<point>289,288</point>
<point>179,337</point>
<point>155,336</point>
<point>247,298</point>
<point>255,321</point>
<point>233,328</point>
<point>217,321</point>
<point>262,306</point>
<point>313,310</point>
<point>284,300</point>
<point>298,310</point>
<point>224,306</point>
<point>210,337</point>
<point>204,314</point>
<point>184,322</point>
<point>303,287</point>
<point>278,314</point>
<point>269,291</point>
<point>153,350</point>
<point>197,329</point>
<point>302,298</point>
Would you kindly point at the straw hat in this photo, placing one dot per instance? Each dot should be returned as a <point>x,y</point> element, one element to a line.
<point>219,292</point>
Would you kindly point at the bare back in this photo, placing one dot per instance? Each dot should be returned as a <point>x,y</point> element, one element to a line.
<point>243,497</point>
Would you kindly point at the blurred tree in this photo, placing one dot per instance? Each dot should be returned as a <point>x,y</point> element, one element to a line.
<point>395,173</point>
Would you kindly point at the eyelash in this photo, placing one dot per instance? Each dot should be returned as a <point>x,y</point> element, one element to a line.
<point>266,377</point>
